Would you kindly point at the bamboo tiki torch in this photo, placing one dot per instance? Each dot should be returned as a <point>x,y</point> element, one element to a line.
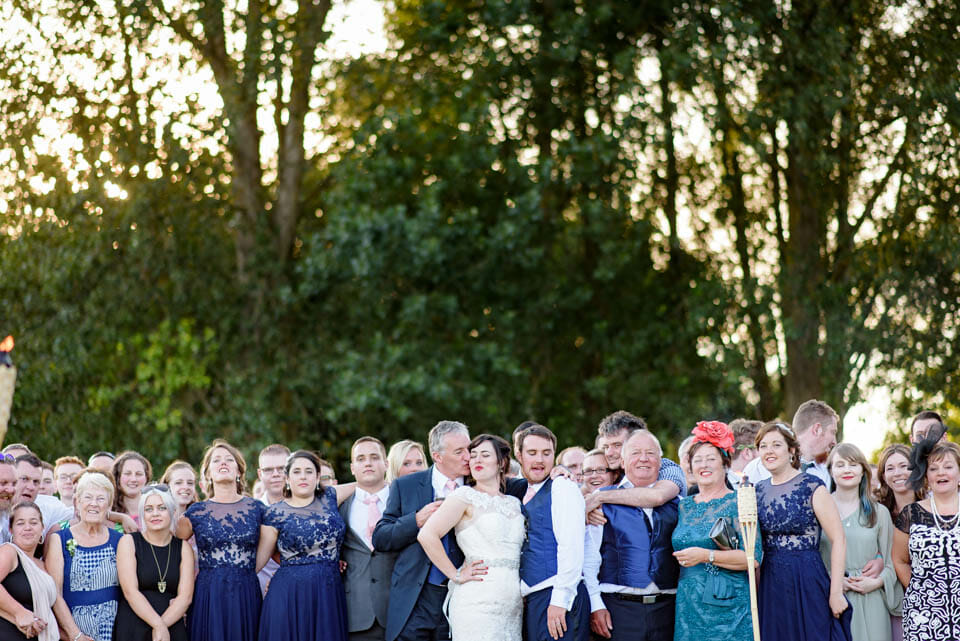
<point>8,375</point>
<point>747,508</point>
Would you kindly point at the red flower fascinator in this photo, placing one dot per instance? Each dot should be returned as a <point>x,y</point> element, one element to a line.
<point>715,433</point>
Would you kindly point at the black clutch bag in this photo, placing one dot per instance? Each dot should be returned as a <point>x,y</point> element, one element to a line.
<point>724,534</point>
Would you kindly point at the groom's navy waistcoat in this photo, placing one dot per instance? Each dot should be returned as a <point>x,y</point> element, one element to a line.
<point>538,560</point>
<point>631,555</point>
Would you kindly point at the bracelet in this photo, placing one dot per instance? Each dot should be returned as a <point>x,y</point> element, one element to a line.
<point>456,579</point>
<point>79,634</point>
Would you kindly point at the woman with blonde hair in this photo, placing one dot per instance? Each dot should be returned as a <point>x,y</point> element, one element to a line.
<point>226,602</point>
<point>156,573</point>
<point>405,457</point>
<point>868,530</point>
<point>82,559</point>
<point>180,478</point>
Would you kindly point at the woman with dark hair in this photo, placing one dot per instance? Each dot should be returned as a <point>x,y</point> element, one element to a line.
<point>30,606</point>
<point>798,600</point>
<point>895,493</point>
<point>484,593</point>
<point>713,593</point>
<point>305,598</point>
<point>869,534</point>
<point>926,545</point>
<point>226,598</point>
<point>131,471</point>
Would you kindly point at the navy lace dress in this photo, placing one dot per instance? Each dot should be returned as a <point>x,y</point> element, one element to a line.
<point>226,599</point>
<point>794,590</point>
<point>305,598</point>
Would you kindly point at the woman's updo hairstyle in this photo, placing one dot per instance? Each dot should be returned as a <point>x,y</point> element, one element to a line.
<point>501,449</point>
<point>789,437</point>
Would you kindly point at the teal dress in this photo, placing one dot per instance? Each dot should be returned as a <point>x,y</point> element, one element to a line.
<point>712,603</point>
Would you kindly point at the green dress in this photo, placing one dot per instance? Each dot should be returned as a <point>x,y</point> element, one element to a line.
<point>712,603</point>
<point>871,611</point>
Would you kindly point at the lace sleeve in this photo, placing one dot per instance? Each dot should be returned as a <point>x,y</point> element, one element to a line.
<point>905,518</point>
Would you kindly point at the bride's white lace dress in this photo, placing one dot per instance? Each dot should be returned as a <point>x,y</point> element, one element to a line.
<point>492,529</point>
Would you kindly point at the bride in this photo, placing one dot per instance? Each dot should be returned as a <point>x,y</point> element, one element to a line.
<point>484,593</point>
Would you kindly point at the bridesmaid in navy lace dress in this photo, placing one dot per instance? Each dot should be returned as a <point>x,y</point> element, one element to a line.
<point>305,598</point>
<point>226,601</point>
<point>797,600</point>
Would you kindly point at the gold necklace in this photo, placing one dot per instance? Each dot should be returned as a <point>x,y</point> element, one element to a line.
<point>162,583</point>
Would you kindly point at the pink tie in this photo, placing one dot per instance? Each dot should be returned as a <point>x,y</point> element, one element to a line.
<point>531,492</point>
<point>373,515</point>
<point>450,486</point>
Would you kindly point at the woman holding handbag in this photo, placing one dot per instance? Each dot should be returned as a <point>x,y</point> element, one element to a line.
<point>713,595</point>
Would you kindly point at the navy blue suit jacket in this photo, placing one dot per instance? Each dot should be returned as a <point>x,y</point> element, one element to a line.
<point>397,532</point>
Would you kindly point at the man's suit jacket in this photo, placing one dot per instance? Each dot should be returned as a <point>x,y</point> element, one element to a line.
<point>397,532</point>
<point>366,580</point>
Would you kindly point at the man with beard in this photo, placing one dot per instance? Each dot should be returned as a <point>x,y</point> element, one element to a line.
<point>556,605</point>
<point>8,486</point>
<point>29,470</point>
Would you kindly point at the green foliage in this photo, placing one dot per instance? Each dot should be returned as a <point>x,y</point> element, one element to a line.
<point>526,210</point>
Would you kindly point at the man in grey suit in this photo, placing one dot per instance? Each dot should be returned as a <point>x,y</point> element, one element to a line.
<point>366,580</point>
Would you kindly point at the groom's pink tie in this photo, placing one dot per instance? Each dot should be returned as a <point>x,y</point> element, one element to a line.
<point>531,492</point>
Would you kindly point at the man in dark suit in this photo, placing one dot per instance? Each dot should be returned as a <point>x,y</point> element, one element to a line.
<point>366,580</point>
<point>417,588</point>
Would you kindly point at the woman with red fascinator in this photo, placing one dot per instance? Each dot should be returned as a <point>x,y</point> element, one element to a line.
<point>713,595</point>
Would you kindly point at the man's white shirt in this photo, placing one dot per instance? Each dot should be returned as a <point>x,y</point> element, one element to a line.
<point>360,511</point>
<point>592,561</point>
<point>567,509</point>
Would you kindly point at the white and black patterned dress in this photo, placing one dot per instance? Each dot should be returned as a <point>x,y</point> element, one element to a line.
<point>931,603</point>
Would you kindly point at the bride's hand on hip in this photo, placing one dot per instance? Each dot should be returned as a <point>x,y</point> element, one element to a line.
<point>472,571</point>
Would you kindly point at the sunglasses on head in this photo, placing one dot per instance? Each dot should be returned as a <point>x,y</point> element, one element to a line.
<point>158,487</point>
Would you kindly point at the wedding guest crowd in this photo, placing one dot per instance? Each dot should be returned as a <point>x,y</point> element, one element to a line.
<point>480,539</point>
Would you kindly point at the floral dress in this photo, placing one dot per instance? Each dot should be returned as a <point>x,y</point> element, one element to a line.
<point>794,592</point>
<point>226,599</point>
<point>305,599</point>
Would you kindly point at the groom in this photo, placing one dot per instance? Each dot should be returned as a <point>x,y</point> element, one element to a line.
<point>556,603</point>
<point>417,587</point>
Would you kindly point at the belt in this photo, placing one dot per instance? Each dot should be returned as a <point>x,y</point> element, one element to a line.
<point>646,599</point>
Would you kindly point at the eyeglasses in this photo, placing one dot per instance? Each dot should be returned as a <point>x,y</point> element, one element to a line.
<point>328,477</point>
<point>269,471</point>
<point>590,471</point>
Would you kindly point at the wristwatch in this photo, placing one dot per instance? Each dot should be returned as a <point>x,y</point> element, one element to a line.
<point>710,557</point>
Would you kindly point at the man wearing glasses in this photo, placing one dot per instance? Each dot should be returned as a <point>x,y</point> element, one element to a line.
<point>270,470</point>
